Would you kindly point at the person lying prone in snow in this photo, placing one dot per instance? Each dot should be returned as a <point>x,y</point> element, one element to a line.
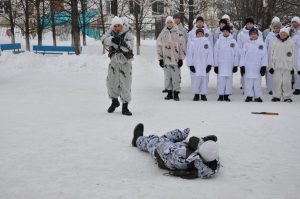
<point>197,157</point>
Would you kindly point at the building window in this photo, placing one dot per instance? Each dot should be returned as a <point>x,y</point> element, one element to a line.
<point>134,7</point>
<point>2,7</point>
<point>158,8</point>
<point>108,7</point>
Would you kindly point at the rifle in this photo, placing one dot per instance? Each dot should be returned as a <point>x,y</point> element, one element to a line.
<point>265,113</point>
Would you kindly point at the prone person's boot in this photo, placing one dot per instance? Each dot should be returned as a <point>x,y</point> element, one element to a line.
<point>137,132</point>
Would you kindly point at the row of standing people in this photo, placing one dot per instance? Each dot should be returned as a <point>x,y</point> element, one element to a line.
<point>227,50</point>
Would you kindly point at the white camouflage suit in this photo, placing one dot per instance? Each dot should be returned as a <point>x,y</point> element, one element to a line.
<point>283,61</point>
<point>254,56</point>
<point>119,76</point>
<point>171,47</point>
<point>270,40</point>
<point>296,39</point>
<point>200,55</point>
<point>243,38</point>
<point>171,147</point>
<point>226,56</point>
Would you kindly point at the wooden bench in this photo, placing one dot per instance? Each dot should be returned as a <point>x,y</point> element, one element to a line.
<point>15,47</point>
<point>53,49</point>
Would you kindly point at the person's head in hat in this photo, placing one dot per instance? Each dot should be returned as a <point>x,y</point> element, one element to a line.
<point>284,33</point>
<point>249,23</point>
<point>253,33</point>
<point>117,24</point>
<point>226,30</point>
<point>169,22</point>
<point>200,22</point>
<point>227,18</point>
<point>199,33</point>
<point>222,23</point>
<point>295,22</point>
<point>276,26</point>
<point>177,18</point>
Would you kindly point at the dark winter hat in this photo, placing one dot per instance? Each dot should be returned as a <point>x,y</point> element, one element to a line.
<point>177,16</point>
<point>200,19</point>
<point>226,27</point>
<point>199,30</point>
<point>253,30</point>
<point>249,20</point>
<point>224,21</point>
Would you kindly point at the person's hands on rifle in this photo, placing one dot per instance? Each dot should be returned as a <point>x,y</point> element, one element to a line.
<point>119,41</point>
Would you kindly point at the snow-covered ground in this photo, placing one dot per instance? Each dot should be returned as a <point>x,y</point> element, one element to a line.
<point>58,142</point>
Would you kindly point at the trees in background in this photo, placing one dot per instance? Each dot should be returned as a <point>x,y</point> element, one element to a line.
<point>30,15</point>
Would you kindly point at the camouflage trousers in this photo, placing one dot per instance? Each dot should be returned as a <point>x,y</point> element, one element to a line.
<point>172,77</point>
<point>171,147</point>
<point>119,80</point>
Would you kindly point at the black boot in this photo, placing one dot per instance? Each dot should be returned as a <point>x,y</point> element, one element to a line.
<point>170,95</point>
<point>275,99</point>
<point>137,132</point>
<point>226,98</point>
<point>196,97</point>
<point>296,92</point>
<point>176,95</point>
<point>125,110</point>
<point>203,98</point>
<point>210,137</point>
<point>249,99</point>
<point>221,98</point>
<point>115,103</point>
<point>165,91</point>
<point>288,100</point>
<point>258,100</point>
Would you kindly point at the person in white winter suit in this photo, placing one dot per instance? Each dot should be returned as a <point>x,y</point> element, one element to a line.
<point>170,46</point>
<point>200,61</point>
<point>226,57</point>
<point>119,41</point>
<point>283,65</point>
<point>295,31</point>
<point>271,38</point>
<point>254,61</point>
<point>243,37</point>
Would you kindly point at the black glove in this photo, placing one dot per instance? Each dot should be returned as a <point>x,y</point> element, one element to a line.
<point>192,69</point>
<point>216,69</point>
<point>185,174</point>
<point>119,41</point>
<point>116,40</point>
<point>271,71</point>
<point>161,63</point>
<point>242,70</point>
<point>235,69</point>
<point>263,70</point>
<point>208,68</point>
<point>180,63</point>
<point>292,72</point>
<point>210,137</point>
<point>213,165</point>
<point>299,72</point>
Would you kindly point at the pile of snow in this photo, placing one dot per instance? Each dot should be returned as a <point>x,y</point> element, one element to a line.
<point>58,141</point>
